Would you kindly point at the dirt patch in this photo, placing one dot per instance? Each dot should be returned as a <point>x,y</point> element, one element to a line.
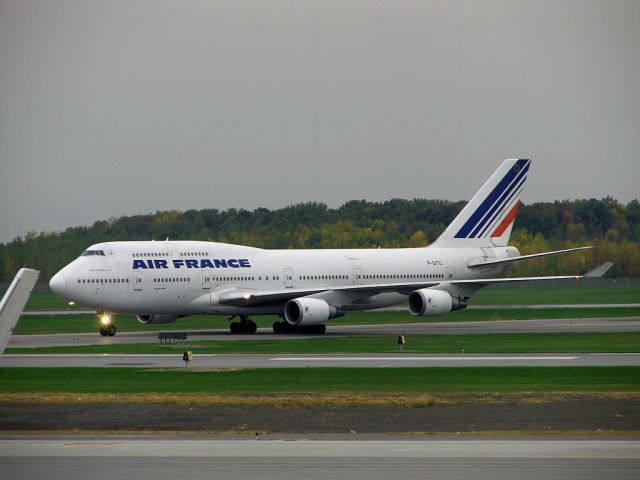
<point>293,400</point>
<point>334,414</point>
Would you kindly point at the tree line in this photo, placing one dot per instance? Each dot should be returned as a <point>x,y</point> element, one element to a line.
<point>612,227</point>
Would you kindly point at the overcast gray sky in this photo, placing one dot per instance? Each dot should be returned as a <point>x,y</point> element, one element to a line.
<point>111,108</point>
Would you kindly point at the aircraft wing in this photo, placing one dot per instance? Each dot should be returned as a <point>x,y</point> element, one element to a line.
<point>250,298</point>
<point>491,281</point>
<point>523,257</point>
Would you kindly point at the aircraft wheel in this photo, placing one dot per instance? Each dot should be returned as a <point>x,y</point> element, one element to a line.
<point>252,327</point>
<point>235,327</point>
<point>111,330</point>
<point>103,331</point>
<point>281,327</point>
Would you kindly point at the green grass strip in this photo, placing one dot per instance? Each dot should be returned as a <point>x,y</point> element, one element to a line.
<point>483,343</point>
<point>281,380</point>
<point>578,293</point>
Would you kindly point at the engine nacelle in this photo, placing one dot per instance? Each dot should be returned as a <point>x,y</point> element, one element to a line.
<point>309,311</point>
<point>146,319</point>
<point>427,302</point>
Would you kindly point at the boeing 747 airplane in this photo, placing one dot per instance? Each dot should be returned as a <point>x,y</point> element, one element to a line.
<point>161,281</point>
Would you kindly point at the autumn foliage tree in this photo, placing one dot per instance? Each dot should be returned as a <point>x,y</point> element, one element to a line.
<point>612,227</point>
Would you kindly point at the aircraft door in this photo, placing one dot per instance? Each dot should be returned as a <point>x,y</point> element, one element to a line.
<point>288,278</point>
<point>171,249</point>
<point>450,273</point>
<point>137,281</point>
<point>357,276</point>
<point>206,279</point>
<point>97,287</point>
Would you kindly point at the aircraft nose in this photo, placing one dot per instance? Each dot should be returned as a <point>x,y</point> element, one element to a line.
<point>57,284</point>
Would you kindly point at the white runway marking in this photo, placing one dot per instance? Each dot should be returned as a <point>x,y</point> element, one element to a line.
<point>402,359</point>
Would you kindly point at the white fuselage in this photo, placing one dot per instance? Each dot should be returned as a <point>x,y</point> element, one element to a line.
<point>187,277</point>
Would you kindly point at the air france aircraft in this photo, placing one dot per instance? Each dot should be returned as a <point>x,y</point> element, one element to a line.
<point>161,281</point>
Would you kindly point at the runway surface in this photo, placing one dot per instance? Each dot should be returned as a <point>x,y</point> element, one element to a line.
<point>562,325</point>
<point>142,457</point>
<point>212,361</point>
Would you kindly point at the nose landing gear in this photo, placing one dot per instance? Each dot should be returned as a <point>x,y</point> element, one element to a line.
<point>108,330</point>
<point>106,327</point>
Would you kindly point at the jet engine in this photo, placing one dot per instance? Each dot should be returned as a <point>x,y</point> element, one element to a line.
<point>309,311</point>
<point>427,302</point>
<point>147,319</point>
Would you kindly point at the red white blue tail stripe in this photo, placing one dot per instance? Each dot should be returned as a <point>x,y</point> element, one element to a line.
<point>497,211</point>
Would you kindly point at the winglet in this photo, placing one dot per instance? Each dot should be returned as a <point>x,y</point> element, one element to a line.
<point>599,271</point>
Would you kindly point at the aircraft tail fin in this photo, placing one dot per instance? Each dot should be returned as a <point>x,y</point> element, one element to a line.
<point>487,220</point>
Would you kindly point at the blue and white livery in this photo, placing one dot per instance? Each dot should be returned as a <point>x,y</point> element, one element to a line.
<point>163,281</point>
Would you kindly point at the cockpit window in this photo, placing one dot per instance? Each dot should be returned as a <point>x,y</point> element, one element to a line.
<point>88,253</point>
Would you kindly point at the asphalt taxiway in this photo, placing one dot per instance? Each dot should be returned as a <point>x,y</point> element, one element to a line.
<point>557,325</point>
<point>139,457</point>
<point>407,359</point>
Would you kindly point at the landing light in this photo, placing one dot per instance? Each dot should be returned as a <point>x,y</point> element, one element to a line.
<point>72,303</point>
<point>105,319</point>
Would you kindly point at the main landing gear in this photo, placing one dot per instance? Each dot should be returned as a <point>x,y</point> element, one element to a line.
<point>286,327</point>
<point>243,326</point>
<point>106,327</point>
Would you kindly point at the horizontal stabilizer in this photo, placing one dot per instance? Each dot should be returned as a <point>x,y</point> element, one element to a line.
<point>524,257</point>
